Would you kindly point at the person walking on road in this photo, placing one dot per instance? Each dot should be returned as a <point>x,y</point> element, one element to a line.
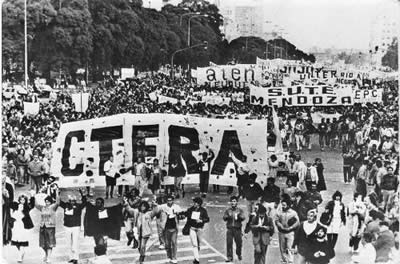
<point>336,217</point>
<point>262,228</point>
<point>205,168</point>
<point>234,217</point>
<point>197,216</point>
<point>286,221</point>
<point>72,223</point>
<point>144,228</point>
<point>305,234</point>
<point>22,223</point>
<point>47,233</point>
<point>170,220</point>
<point>252,192</point>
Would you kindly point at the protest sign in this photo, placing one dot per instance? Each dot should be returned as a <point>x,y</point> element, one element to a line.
<point>127,73</point>
<point>300,95</point>
<point>318,116</point>
<point>81,101</point>
<point>31,108</point>
<point>367,96</point>
<point>216,100</point>
<point>177,141</point>
<point>237,76</point>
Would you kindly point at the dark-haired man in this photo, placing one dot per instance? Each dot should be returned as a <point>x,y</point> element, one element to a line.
<point>286,221</point>
<point>252,192</point>
<point>234,217</point>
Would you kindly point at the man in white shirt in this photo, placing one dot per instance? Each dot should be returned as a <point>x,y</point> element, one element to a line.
<point>110,172</point>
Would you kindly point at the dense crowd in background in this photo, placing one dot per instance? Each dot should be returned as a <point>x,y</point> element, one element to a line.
<point>365,134</point>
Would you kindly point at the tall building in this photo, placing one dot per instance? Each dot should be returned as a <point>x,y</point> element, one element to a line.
<point>384,29</point>
<point>242,21</point>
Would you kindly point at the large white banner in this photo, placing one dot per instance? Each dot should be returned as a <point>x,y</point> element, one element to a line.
<point>127,73</point>
<point>83,147</point>
<point>237,76</point>
<point>320,95</point>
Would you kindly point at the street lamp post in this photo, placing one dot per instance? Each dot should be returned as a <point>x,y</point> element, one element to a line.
<point>205,43</point>
<point>187,14</point>
<point>26,45</point>
<point>188,40</point>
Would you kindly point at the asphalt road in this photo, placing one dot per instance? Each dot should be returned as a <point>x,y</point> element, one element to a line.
<point>214,246</point>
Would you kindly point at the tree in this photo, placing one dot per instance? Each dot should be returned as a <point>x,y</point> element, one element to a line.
<point>390,59</point>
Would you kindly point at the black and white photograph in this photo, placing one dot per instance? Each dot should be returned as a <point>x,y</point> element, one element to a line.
<point>195,131</point>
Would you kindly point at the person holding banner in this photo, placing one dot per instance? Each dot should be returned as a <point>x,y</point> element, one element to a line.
<point>205,167</point>
<point>72,223</point>
<point>140,175</point>
<point>242,172</point>
<point>110,171</point>
<point>47,234</point>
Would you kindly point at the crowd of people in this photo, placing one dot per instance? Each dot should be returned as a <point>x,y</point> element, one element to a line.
<point>366,134</point>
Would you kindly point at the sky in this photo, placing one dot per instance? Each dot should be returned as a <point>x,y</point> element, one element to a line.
<point>340,24</point>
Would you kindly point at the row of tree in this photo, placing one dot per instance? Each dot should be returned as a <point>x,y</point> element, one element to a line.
<point>64,36</point>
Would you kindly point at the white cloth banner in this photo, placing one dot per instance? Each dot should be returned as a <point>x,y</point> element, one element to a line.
<point>319,95</point>
<point>317,117</point>
<point>237,76</point>
<point>81,101</point>
<point>176,141</point>
<point>31,108</point>
<point>165,99</point>
<point>300,96</point>
<point>216,100</point>
<point>127,73</point>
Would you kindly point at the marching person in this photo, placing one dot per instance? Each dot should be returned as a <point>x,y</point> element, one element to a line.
<point>307,176</point>
<point>305,234</point>
<point>242,172</point>
<point>357,212</point>
<point>144,228</point>
<point>130,215</point>
<point>110,171</point>
<point>321,186</point>
<point>72,223</point>
<point>336,213</point>
<point>252,192</point>
<point>205,168</point>
<point>197,216</point>
<point>22,223</point>
<point>234,217</point>
<point>286,221</point>
<point>140,169</point>
<point>35,171</point>
<point>171,213</point>
<point>320,250</point>
<point>103,222</point>
<point>271,196</point>
<point>262,228</point>
<point>47,233</point>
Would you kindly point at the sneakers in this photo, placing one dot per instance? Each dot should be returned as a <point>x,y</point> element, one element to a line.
<point>161,247</point>
<point>173,261</point>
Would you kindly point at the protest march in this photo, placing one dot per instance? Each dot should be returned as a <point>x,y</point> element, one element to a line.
<point>286,160</point>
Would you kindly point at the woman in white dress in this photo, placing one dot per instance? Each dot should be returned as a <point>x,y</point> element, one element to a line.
<point>22,222</point>
<point>336,216</point>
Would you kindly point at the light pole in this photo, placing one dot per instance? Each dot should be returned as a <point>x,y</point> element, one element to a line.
<point>190,18</point>
<point>187,14</point>
<point>26,45</point>
<point>205,43</point>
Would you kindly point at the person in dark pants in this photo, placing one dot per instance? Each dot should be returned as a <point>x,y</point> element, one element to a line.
<point>322,131</point>
<point>234,217</point>
<point>242,173</point>
<point>262,228</point>
<point>347,164</point>
<point>204,166</point>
